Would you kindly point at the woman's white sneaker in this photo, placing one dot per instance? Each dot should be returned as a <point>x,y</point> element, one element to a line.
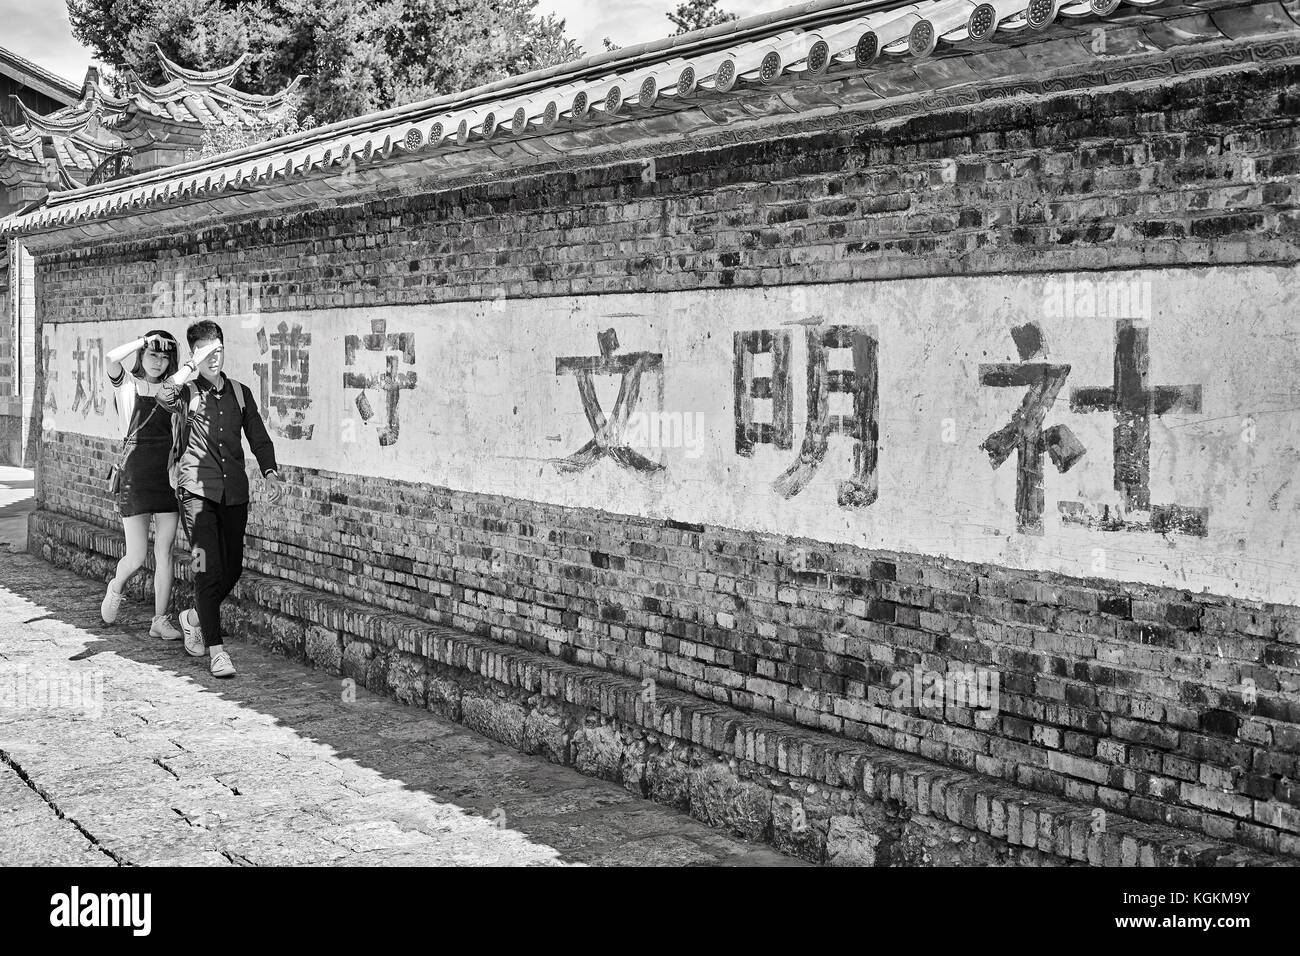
<point>162,627</point>
<point>111,604</point>
<point>221,665</point>
<point>193,633</point>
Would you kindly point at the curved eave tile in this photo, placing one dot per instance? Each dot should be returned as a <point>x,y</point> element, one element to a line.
<point>179,73</point>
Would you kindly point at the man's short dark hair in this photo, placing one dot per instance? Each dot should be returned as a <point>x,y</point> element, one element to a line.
<point>202,331</point>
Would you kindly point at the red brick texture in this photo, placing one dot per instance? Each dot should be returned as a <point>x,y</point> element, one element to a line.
<point>1159,704</point>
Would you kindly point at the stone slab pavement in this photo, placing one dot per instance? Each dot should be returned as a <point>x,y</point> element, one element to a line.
<point>118,749</point>
<point>17,501</point>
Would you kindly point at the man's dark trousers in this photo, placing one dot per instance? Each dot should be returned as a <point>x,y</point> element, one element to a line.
<point>216,534</point>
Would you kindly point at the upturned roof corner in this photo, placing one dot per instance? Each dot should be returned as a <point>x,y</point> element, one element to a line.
<point>101,135</point>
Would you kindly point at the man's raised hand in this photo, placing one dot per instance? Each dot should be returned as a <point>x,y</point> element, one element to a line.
<point>202,352</point>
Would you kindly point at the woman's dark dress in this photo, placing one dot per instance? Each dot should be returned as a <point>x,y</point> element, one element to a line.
<point>145,486</point>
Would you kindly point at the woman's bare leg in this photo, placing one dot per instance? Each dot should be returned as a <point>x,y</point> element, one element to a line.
<point>164,524</point>
<point>136,528</point>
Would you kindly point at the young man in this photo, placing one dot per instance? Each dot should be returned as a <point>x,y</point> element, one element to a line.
<point>213,488</point>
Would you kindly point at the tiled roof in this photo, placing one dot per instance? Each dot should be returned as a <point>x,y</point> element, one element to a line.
<point>828,56</point>
<point>37,77</point>
<point>77,137</point>
<point>77,154</point>
<point>198,79</point>
<point>190,101</point>
<point>81,136</point>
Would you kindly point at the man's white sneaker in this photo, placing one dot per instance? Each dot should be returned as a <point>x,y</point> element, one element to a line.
<point>111,604</point>
<point>162,627</point>
<point>193,633</point>
<point>221,665</point>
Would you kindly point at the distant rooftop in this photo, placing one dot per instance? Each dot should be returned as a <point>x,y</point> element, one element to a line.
<point>37,77</point>
<point>97,137</point>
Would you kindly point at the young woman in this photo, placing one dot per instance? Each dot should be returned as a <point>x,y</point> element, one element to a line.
<point>145,489</point>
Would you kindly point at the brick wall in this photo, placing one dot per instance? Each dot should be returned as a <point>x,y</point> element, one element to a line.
<point>1158,703</point>
<point>1204,171</point>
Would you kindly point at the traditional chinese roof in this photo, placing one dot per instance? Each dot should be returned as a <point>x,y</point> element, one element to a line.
<point>177,113</point>
<point>76,138</point>
<point>199,79</point>
<point>59,150</point>
<point>151,125</point>
<point>825,63</point>
<point>36,77</point>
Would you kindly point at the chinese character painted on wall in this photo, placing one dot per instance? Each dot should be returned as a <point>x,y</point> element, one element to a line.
<point>391,382</point>
<point>51,372</point>
<point>79,397</point>
<point>1025,434</point>
<point>95,372</point>
<point>1133,401</point>
<point>860,381</point>
<point>89,377</point>
<point>608,433</point>
<point>773,388</point>
<point>284,389</point>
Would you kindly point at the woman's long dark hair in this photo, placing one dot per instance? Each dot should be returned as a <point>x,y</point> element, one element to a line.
<point>173,354</point>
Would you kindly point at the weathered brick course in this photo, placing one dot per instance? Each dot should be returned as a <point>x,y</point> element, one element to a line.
<point>1031,186</point>
<point>811,794</point>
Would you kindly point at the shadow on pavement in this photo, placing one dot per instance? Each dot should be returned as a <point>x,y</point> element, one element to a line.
<point>385,782</point>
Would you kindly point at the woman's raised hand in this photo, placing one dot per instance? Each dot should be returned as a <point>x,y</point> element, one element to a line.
<point>116,355</point>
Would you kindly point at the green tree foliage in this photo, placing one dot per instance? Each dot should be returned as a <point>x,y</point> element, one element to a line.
<point>358,56</point>
<point>698,14</point>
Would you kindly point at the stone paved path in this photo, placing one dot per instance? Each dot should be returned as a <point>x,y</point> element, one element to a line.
<point>16,502</point>
<point>166,764</point>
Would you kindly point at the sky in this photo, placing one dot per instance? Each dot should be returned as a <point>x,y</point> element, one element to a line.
<point>39,30</point>
<point>629,21</point>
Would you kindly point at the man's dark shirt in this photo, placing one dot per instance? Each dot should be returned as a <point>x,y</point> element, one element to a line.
<point>212,464</point>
